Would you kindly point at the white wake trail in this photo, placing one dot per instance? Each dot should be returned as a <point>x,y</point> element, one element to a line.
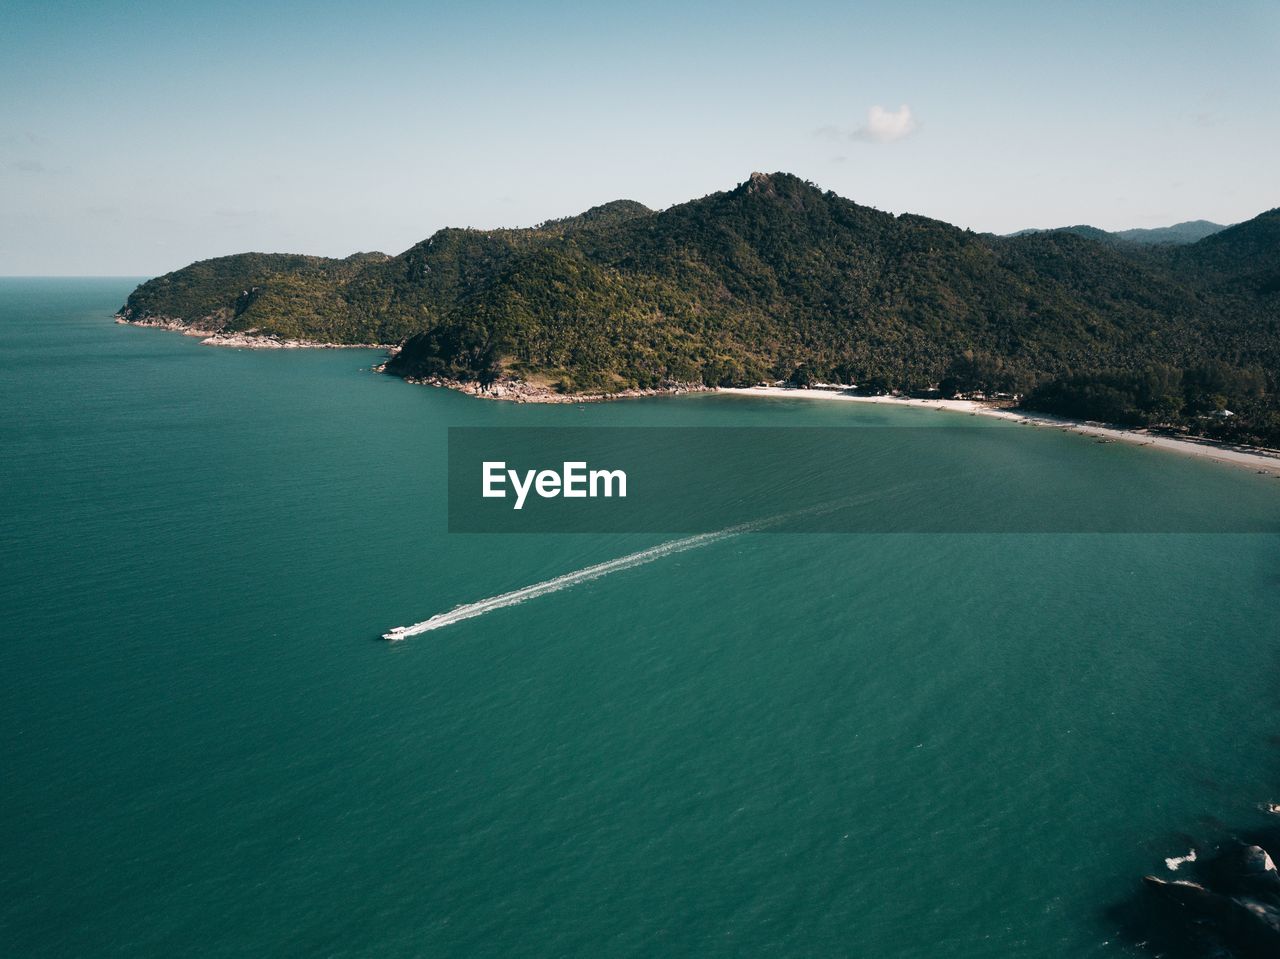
<point>469,610</point>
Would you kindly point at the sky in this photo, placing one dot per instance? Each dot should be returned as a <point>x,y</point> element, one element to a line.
<point>136,137</point>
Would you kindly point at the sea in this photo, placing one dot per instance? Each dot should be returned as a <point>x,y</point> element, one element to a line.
<point>877,744</point>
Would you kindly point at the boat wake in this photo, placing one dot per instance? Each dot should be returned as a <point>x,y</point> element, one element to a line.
<point>517,596</point>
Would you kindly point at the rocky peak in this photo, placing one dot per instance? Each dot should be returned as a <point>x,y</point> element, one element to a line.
<point>761,183</point>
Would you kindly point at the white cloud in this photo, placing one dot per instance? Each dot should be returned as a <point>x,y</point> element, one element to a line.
<point>885,126</point>
<point>882,126</point>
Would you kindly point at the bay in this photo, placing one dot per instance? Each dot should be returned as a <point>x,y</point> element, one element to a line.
<point>774,745</point>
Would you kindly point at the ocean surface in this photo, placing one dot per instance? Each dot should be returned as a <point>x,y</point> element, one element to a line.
<point>892,745</point>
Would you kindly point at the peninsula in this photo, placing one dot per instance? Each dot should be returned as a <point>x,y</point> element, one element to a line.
<point>778,280</point>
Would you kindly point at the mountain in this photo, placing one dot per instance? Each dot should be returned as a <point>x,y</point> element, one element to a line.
<point>1080,229</point>
<point>1240,259</point>
<point>779,279</point>
<point>1188,232</point>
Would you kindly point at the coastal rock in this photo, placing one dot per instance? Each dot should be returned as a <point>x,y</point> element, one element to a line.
<point>1244,870</point>
<point>1256,861</point>
<point>242,340</point>
<point>1239,900</point>
<point>515,390</point>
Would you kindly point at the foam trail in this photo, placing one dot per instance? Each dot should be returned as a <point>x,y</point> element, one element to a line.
<point>515,597</point>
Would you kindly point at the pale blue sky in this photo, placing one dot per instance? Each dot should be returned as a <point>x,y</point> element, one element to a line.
<point>137,137</point>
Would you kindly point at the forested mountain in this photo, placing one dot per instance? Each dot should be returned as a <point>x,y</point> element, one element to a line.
<point>779,279</point>
<point>1179,233</point>
<point>1186,232</point>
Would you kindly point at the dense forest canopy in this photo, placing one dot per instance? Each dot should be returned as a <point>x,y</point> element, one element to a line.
<point>777,279</point>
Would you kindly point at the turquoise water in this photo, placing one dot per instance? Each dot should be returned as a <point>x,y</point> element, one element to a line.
<point>777,745</point>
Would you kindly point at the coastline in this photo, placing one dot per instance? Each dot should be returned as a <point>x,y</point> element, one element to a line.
<point>513,390</point>
<point>1255,458</point>
<point>519,391</point>
<point>246,339</point>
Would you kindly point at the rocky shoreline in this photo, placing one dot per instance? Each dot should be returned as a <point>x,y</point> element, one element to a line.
<point>519,391</point>
<point>245,339</point>
<point>510,389</point>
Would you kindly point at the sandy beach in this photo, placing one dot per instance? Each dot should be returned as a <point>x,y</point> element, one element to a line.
<point>1254,458</point>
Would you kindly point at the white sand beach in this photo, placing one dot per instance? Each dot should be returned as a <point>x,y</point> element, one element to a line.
<point>1255,458</point>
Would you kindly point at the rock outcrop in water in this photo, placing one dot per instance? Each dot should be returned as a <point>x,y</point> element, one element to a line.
<point>1236,904</point>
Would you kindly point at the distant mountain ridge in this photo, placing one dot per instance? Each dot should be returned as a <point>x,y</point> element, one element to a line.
<point>775,278</point>
<point>1189,231</point>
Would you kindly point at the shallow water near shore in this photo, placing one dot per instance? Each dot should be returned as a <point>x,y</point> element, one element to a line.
<point>776,745</point>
